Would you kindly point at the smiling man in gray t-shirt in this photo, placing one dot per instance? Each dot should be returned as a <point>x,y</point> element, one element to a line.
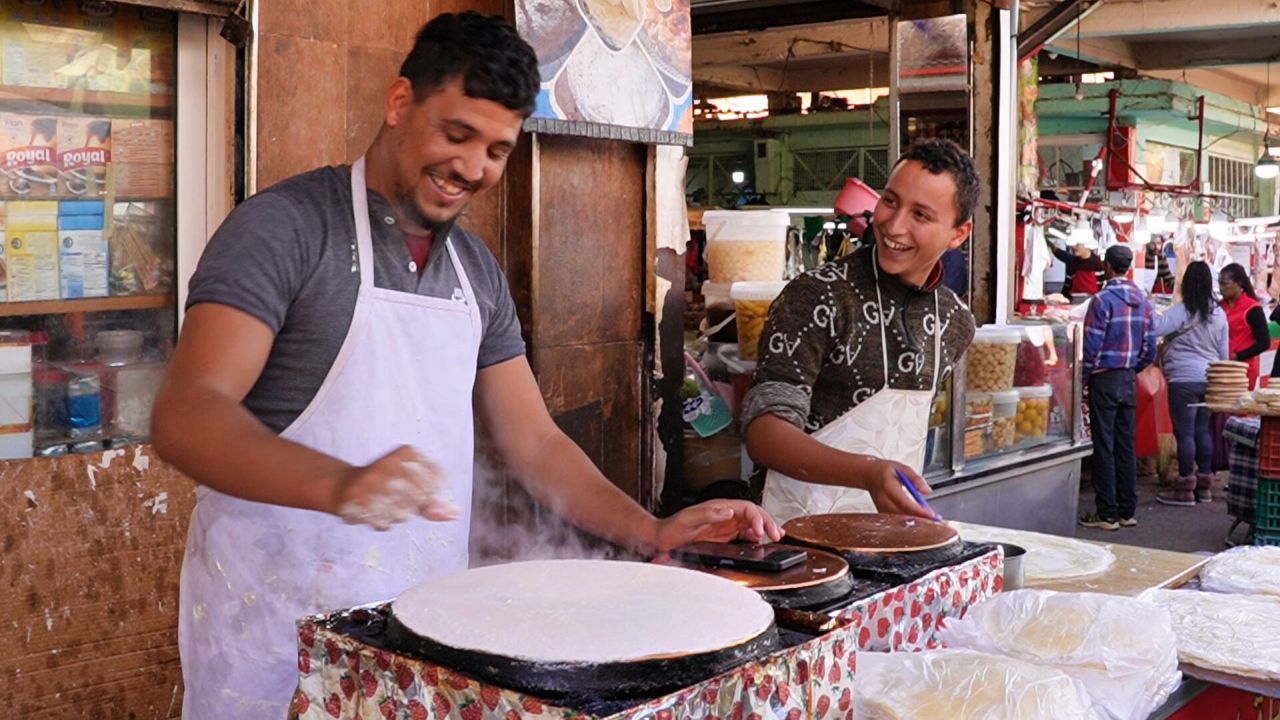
<point>330,364</point>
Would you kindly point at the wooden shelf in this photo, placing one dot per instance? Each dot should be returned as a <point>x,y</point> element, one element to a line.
<point>84,99</point>
<point>107,304</point>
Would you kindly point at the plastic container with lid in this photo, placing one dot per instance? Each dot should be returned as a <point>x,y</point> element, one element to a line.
<point>746,245</point>
<point>119,347</point>
<point>1004,412</point>
<point>751,302</point>
<point>1032,419</point>
<point>977,409</point>
<point>992,358</point>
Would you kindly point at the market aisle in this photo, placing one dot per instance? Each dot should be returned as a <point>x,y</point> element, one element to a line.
<point>1198,529</point>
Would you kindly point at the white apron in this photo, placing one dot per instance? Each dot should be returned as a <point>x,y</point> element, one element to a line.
<point>891,424</point>
<point>404,376</point>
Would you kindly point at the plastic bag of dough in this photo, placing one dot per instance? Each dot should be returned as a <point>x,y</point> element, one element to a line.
<point>1247,570</point>
<point>1234,634</point>
<point>1123,651</point>
<point>964,685</point>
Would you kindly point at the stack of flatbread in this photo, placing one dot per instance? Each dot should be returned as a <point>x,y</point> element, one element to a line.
<point>1264,401</point>
<point>1228,382</point>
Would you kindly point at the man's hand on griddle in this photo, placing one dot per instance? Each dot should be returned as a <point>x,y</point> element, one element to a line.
<point>717,521</point>
<point>889,495</point>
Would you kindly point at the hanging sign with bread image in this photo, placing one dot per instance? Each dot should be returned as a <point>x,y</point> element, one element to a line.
<point>587,49</point>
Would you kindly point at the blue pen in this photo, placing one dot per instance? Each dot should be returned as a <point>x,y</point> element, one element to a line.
<point>911,488</point>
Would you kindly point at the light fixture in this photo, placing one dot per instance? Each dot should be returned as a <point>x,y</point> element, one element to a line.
<point>1157,221</point>
<point>1266,169</point>
<point>1082,234</point>
<point>1124,217</point>
<point>1219,225</point>
<point>739,177</point>
<point>1141,234</point>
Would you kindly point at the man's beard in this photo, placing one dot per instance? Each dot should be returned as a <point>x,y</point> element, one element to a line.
<point>412,216</point>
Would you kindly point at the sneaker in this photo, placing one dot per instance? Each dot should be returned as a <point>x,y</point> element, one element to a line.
<point>1094,520</point>
<point>1129,522</point>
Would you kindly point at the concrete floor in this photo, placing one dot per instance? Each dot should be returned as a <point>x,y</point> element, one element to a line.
<point>1199,529</point>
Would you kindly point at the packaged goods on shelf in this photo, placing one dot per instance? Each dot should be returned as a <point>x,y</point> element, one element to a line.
<point>84,153</point>
<point>35,48</point>
<point>31,234</point>
<point>1033,412</point>
<point>142,248</point>
<point>83,252</point>
<point>28,155</point>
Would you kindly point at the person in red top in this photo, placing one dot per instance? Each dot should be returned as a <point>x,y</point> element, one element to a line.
<point>1083,266</point>
<point>1246,320</point>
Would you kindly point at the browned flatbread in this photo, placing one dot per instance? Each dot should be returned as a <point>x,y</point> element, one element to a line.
<point>870,533</point>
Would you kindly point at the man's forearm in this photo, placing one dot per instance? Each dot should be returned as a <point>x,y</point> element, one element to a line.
<point>220,444</point>
<point>563,478</point>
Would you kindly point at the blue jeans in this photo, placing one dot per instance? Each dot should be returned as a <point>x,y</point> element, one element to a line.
<point>1113,405</point>
<point>1191,428</point>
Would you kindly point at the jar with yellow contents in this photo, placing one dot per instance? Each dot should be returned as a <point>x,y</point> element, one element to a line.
<point>1034,404</point>
<point>751,301</point>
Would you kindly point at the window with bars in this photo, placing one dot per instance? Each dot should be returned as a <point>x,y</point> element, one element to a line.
<point>1232,182</point>
<point>709,179</point>
<point>826,170</point>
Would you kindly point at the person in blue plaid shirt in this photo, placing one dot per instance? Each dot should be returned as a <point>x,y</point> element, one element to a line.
<point>1119,342</point>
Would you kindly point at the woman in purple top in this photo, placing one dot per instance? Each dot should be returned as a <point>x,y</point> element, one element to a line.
<point>1194,335</point>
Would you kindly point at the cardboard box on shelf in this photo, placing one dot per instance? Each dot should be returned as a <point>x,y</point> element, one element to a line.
<point>146,181</point>
<point>32,236</point>
<point>142,141</point>
<point>84,153</point>
<point>28,155</point>
<point>83,254</point>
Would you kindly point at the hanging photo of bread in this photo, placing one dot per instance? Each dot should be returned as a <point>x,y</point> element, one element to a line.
<point>589,49</point>
<point>665,38</point>
<point>593,66</point>
<point>554,27</point>
<point>616,22</point>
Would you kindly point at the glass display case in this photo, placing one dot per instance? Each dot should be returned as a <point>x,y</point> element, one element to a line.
<point>88,228</point>
<point>1016,395</point>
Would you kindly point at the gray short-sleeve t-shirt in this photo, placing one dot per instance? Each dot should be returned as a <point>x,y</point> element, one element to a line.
<point>285,257</point>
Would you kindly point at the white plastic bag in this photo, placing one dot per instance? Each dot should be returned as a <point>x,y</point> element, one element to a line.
<point>1234,634</point>
<point>963,685</point>
<point>1122,650</point>
<point>1245,570</point>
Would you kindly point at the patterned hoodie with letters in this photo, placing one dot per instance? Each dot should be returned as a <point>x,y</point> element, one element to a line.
<point>820,353</point>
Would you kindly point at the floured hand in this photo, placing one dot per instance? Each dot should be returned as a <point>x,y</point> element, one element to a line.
<point>400,485</point>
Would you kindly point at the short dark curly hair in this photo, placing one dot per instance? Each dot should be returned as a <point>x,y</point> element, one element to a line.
<point>492,60</point>
<point>938,156</point>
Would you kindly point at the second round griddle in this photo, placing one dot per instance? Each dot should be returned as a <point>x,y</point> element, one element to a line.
<point>818,568</point>
<point>821,578</point>
<point>871,533</point>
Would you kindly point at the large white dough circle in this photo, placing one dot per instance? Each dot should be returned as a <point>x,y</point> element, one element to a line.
<point>1049,557</point>
<point>1251,570</point>
<point>583,611</point>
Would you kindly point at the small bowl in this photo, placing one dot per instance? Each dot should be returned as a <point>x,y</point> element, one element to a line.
<point>1013,556</point>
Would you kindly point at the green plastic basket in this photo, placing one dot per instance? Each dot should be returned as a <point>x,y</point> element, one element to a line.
<point>1267,504</point>
<point>1266,539</point>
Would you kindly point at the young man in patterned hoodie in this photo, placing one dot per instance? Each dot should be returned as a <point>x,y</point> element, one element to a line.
<point>853,351</point>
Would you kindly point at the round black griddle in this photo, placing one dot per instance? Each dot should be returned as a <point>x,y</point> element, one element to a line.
<point>820,579</point>
<point>882,547</point>
<point>570,683</point>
